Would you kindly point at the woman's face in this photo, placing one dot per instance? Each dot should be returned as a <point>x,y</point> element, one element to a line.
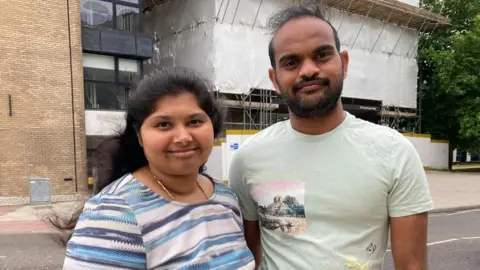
<point>177,137</point>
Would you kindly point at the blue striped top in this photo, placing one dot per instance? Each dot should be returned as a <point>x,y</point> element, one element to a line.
<point>128,226</point>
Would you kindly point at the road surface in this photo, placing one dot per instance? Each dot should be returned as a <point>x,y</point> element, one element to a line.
<point>454,244</point>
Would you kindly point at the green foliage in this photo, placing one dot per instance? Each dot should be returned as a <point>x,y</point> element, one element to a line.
<point>449,75</point>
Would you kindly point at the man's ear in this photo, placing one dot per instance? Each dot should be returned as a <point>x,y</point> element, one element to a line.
<point>345,60</point>
<point>273,79</point>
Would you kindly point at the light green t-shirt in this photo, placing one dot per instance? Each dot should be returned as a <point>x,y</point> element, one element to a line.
<point>324,201</point>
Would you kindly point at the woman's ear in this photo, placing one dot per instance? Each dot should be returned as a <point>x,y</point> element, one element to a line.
<point>139,139</point>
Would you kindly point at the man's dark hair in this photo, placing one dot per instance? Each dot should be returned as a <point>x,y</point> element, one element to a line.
<point>295,11</point>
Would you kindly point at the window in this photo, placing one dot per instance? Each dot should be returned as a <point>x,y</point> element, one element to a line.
<point>108,80</point>
<point>128,18</point>
<point>118,14</point>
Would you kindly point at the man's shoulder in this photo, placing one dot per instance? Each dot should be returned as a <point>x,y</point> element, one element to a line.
<point>375,132</point>
<point>384,140</point>
<point>368,128</point>
<point>266,137</point>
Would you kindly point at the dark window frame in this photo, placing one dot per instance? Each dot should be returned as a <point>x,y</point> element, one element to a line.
<point>117,82</point>
<point>114,13</point>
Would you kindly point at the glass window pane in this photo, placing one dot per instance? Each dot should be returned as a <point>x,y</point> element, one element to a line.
<point>98,67</point>
<point>104,96</point>
<point>129,1</point>
<point>96,13</point>
<point>128,70</point>
<point>128,18</point>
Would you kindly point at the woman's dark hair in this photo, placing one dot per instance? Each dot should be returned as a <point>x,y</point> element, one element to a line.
<point>123,154</point>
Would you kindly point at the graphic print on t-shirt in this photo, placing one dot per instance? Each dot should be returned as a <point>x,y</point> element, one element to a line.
<point>281,206</point>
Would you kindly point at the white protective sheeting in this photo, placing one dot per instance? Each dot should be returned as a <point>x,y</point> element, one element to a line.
<point>183,32</point>
<point>241,59</point>
<point>392,79</point>
<point>233,50</point>
<point>411,2</point>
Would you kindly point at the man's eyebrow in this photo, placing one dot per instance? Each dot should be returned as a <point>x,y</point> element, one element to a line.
<point>319,49</point>
<point>326,47</point>
<point>289,56</point>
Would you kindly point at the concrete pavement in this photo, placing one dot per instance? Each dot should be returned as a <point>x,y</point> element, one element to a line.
<point>450,191</point>
<point>453,191</point>
<point>31,218</point>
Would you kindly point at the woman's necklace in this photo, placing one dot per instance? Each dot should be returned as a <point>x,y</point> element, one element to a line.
<point>170,194</point>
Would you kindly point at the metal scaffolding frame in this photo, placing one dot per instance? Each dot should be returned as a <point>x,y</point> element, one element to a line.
<point>253,110</point>
<point>403,120</point>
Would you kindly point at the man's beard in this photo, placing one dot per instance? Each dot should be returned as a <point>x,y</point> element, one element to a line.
<point>323,106</point>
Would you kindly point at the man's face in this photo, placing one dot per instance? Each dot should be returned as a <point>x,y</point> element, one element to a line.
<point>309,70</point>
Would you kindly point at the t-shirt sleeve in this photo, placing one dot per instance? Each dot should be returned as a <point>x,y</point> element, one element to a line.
<point>409,193</point>
<point>106,236</point>
<point>238,183</point>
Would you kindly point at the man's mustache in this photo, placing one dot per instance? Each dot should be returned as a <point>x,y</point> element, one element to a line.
<point>315,81</point>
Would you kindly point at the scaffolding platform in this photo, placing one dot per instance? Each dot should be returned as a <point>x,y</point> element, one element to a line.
<point>392,11</point>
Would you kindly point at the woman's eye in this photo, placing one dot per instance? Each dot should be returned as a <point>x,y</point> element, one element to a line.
<point>163,125</point>
<point>196,122</point>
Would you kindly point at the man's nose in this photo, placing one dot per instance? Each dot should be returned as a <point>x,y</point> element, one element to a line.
<point>309,69</point>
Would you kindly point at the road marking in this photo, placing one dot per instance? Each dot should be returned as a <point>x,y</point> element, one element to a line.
<point>444,241</point>
<point>462,212</point>
<point>471,238</point>
<point>454,213</point>
<point>448,241</point>
<point>453,240</point>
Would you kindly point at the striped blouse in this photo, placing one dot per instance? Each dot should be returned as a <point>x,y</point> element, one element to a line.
<point>128,226</point>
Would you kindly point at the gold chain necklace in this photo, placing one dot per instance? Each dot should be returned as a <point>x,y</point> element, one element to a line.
<point>170,194</point>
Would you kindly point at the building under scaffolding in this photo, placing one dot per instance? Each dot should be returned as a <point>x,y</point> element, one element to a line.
<point>227,41</point>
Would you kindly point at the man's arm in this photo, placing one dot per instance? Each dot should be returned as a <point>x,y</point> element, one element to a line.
<point>409,241</point>
<point>409,201</point>
<point>252,236</point>
<point>238,184</point>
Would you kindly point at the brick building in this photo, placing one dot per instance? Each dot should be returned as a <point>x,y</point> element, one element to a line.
<point>61,62</point>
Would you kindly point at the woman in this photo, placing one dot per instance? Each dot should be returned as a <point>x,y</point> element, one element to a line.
<point>154,208</point>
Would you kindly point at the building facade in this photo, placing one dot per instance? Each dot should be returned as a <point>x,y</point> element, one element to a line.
<point>114,48</point>
<point>42,130</point>
<point>62,62</point>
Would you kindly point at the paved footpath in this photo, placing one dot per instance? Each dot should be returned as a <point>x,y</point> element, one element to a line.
<point>450,191</point>
<point>31,218</point>
<point>453,191</point>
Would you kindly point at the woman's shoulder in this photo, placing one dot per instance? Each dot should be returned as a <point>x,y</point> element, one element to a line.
<point>120,189</point>
<point>118,185</point>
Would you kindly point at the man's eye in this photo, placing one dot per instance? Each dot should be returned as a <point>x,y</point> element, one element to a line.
<point>323,55</point>
<point>290,63</point>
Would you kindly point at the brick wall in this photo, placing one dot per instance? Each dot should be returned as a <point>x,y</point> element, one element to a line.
<point>41,137</point>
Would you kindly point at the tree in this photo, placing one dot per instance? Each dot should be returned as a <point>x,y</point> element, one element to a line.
<point>449,75</point>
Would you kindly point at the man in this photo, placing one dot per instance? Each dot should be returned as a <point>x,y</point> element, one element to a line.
<point>322,190</point>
